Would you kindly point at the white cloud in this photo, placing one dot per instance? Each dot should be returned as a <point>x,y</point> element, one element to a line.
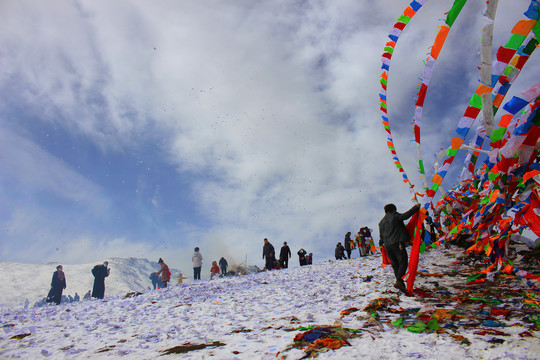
<point>270,109</point>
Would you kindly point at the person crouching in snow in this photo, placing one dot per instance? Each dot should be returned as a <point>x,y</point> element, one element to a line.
<point>164,271</point>
<point>156,281</point>
<point>394,235</point>
<point>214,270</point>
<point>58,284</point>
<point>339,252</point>
<point>302,257</point>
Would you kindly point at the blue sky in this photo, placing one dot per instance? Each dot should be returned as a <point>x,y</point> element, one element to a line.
<point>136,128</point>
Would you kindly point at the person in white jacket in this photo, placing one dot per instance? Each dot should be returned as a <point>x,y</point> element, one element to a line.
<point>197,264</point>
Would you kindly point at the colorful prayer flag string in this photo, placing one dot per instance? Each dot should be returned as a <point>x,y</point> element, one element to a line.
<point>401,23</point>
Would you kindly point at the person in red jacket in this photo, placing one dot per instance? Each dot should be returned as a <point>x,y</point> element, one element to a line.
<point>165,273</point>
<point>214,270</point>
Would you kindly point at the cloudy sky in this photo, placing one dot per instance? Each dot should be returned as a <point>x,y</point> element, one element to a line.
<point>145,128</point>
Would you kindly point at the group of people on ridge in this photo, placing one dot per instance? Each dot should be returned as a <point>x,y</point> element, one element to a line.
<point>217,269</point>
<point>271,263</point>
<point>393,237</point>
<point>363,241</point>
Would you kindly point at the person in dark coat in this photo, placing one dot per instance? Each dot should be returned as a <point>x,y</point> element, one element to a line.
<point>393,235</point>
<point>347,242</point>
<point>302,256</point>
<point>58,284</point>
<point>284,255</point>
<point>339,252</point>
<point>309,259</point>
<point>100,272</point>
<point>223,266</point>
<point>269,254</point>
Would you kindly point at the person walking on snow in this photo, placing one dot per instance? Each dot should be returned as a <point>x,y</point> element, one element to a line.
<point>58,284</point>
<point>393,235</point>
<point>197,264</point>
<point>165,272</point>
<point>100,272</point>
<point>269,254</point>
<point>348,244</point>
<point>284,255</point>
<point>223,266</point>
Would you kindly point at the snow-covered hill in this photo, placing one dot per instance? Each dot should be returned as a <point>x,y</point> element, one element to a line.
<point>22,281</point>
<point>259,316</point>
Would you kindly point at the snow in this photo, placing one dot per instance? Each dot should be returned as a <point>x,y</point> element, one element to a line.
<point>251,317</point>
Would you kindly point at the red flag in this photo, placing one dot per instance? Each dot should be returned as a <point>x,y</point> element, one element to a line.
<point>531,216</point>
<point>385,259</point>
<point>415,227</point>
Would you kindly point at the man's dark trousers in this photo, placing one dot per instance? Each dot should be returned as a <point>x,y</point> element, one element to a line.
<point>398,258</point>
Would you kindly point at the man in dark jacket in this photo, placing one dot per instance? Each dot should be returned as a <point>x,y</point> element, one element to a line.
<point>223,266</point>
<point>100,272</point>
<point>394,235</point>
<point>284,255</point>
<point>347,242</point>
<point>269,254</point>
<point>58,284</point>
